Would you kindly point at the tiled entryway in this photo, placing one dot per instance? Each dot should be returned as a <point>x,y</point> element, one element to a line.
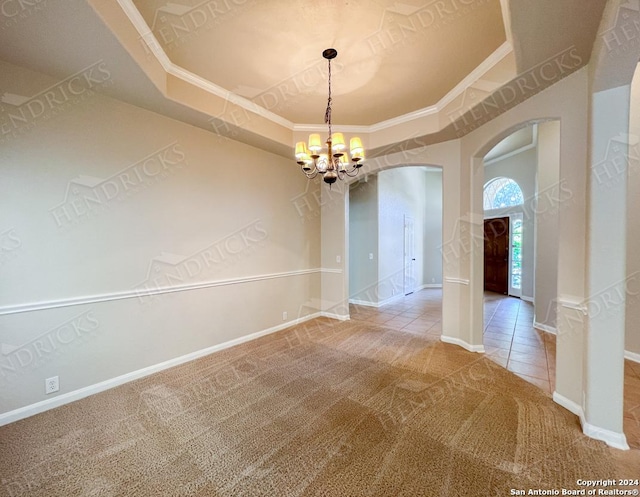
<point>509,339</point>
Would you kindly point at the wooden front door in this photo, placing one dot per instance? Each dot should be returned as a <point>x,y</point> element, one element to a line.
<point>496,255</point>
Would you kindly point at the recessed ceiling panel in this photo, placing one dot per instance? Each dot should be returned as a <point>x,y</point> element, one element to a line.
<point>270,51</point>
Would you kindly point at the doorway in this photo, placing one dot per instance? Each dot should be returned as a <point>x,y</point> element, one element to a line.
<point>409,256</point>
<point>496,255</point>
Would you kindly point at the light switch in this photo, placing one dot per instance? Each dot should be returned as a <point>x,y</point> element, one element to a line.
<point>338,259</point>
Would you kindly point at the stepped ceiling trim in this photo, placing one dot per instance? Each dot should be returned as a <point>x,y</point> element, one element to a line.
<point>155,48</point>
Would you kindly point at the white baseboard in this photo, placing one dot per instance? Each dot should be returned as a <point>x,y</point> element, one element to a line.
<point>376,304</point>
<point>363,302</point>
<point>632,356</point>
<point>463,344</point>
<point>339,317</point>
<point>66,398</point>
<point>545,328</point>
<point>526,298</point>
<point>568,404</point>
<point>391,299</point>
<point>611,438</point>
<point>429,285</point>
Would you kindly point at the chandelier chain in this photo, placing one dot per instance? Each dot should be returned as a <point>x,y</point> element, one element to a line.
<point>327,114</point>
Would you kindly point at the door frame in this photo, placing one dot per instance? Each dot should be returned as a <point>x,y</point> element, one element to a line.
<point>409,257</point>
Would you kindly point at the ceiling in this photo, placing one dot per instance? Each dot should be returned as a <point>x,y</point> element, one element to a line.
<point>516,142</point>
<point>276,56</point>
<point>405,64</point>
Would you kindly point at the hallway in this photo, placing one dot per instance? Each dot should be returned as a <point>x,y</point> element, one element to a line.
<point>510,340</point>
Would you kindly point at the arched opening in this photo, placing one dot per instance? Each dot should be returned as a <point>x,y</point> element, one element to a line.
<point>521,198</point>
<point>503,233</point>
<point>394,238</point>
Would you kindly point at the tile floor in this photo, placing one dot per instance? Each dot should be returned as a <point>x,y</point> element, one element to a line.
<point>509,339</point>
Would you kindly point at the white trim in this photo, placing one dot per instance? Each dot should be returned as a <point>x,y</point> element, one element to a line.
<point>391,299</point>
<point>545,328</point>
<point>147,292</point>
<point>459,281</point>
<point>66,398</point>
<point>526,298</point>
<point>568,404</point>
<point>509,154</point>
<point>363,302</point>
<point>322,128</point>
<point>429,285</point>
<point>463,344</point>
<point>206,85</point>
<point>632,356</point>
<point>329,270</point>
<point>145,32</point>
<point>156,49</point>
<point>569,304</point>
<point>368,303</point>
<point>611,438</point>
<point>339,317</point>
<point>500,53</point>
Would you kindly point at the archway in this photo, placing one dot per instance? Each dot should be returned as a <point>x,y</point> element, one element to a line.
<point>395,233</point>
<point>516,334</point>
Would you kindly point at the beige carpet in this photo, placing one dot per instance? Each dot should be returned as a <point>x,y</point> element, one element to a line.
<point>323,409</point>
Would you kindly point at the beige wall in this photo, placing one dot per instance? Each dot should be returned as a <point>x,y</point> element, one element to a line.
<point>363,241</point>
<point>551,195</point>
<point>401,194</point>
<point>432,270</point>
<point>162,205</point>
<point>632,332</point>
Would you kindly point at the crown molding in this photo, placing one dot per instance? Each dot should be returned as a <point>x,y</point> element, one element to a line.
<point>146,34</point>
<point>156,49</point>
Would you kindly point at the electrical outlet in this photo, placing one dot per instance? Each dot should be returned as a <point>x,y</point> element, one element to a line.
<point>284,316</point>
<point>433,280</point>
<point>51,385</point>
<point>338,259</point>
<point>370,257</point>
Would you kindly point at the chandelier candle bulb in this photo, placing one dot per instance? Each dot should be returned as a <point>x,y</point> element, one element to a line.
<point>302,154</point>
<point>334,164</point>
<point>357,150</point>
<point>337,142</point>
<point>315,143</point>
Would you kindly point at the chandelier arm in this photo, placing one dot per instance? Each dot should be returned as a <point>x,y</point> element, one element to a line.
<point>311,175</point>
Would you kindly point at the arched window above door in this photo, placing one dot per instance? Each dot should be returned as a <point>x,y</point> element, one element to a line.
<point>500,193</point>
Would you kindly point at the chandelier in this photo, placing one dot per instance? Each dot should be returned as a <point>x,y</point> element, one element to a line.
<point>333,163</point>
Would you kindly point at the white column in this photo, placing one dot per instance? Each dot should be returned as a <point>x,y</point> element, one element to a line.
<point>606,268</point>
<point>334,236</point>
